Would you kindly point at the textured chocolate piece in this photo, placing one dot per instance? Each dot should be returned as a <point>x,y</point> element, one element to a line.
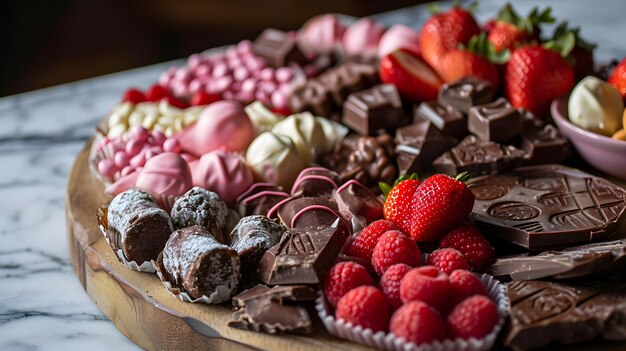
<point>315,215</point>
<point>572,262</point>
<point>278,293</point>
<point>277,48</point>
<point>304,255</point>
<point>269,316</point>
<point>550,206</point>
<point>287,209</point>
<point>445,117</point>
<point>315,181</point>
<point>199,206</point>
<point>497,121</point>
<point>530,122</point>
<point>465,93</point>
<point>419,144</point>
<point>371,110</point>
<point>544,312</point>
<point>370,160</point>
<point>545,145</point>
<point>478,158</point>
<point>358,205</point>
<point>259,199</point>
<point>311,96</point>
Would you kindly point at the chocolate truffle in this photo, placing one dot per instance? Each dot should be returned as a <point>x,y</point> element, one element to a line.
<point>200,207</point>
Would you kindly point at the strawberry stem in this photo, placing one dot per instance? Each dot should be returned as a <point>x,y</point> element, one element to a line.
<point>463,177</point>
<point>563,44</point>
<point>480,45</point>
<point>385,188</point>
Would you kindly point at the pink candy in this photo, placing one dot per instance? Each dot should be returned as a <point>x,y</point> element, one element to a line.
<point>106,168</point>
<point>362,38</point>
<point>121,159</point>
<point>171,145</point>
<point>397,37</point>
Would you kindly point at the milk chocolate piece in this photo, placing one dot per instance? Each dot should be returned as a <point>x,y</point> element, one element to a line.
<point>544,312</point>
<point>549,206</point>
<point>374,109</point>
<point>419,144</point>
<point>267,313</point>
<point>279,293</point>
<point>497,121</point>
<point>545,145</point>
<point>315,181</point>
<point>358,205</point>
<point>346,79</point>
<point>530,122</point>
<point>311,96</point>
<point>277,48</point>
<point>445,117</point>
<point>287,209</point>
<point>315,215</point>
<point>465,93</point>
<point>304,255</point>
<point>573,262</point>
<point>478,158</point>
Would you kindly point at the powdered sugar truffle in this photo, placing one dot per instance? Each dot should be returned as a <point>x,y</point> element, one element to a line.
<point>201,207</point>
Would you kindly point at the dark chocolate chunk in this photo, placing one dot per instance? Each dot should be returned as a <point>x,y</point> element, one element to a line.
<point>549,206</point>
<point>419,144</point>
<point>478,158</point>
<point>358,205</point>
<point>267,315</point>
<point>542,313</point>
<point>311,96</point>
<point>445,117</point>
<point>530,122</point>
<point>279,293</point>
<point>465,93</point>
<point>374,109</point>
<point>277,48</point>
<point>304,255</point>
<point>315,215</point>
<point>545,145</point>
<point>315,181</point>
<point>287,209</point>
<point>346,79</point>
<point>572,262</point>
<point>259,199</point>
<point>497,121</point>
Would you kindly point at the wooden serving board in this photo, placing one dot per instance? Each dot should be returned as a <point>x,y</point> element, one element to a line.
<point>138,304</point>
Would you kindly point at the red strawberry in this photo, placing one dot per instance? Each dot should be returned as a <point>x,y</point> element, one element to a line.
<point>133,95</point>
<point>472,244</point>
<point>413,78</point>
<point>364,306</point>
<point>618,78</point>
<point>441,203</point>
<point>535,76</point>
<point>510,29</point>
<point>390,284</point>
<point>444,32</point>
<point>418,323</point>
<point>398,207</point>
<point>489,25</point>
<point>203,98</point>
<point>447,260</point>
<point>427,284</point>
<point>394,247</point>
<point>363,245</point>
<point>176,102</point>
<point>156,93</point>
<point>464,284</point>
<point>343,277</point>
<point>474,317</point>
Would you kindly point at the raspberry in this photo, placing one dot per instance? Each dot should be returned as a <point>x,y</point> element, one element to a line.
<point>390,284</point>
<point>418,323</point>
<point>447,260</point>
<point>428,285</point>
<point>203,98</point>
<point>343,277</point>
<point>473,317</point>
<point>363,244</point>
<point>156,93</point>
<point>472,244</point>
<point>394,247</point>
<point>364,306</point>
<point>465,284</point>
<point>134,96</point>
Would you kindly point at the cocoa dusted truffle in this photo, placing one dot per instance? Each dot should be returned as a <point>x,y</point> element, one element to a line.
<point>201,265</point>
<point>201,207</point>
<point>137,225</point>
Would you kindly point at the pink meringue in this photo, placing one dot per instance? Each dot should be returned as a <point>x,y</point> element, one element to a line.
<point>321,33</point>
<point>223,125</point>
<point>362,38</point>
<point>224,173</point>
<point>397,37</point>
<point>165,174</point>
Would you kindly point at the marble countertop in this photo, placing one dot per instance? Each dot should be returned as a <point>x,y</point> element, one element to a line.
<point>42,304</point>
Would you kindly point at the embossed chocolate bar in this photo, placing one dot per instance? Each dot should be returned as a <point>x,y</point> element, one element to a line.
<point>445,117</point>
<point>497,121</point>
<point>277,48</point>
<point>419,144</point>
<point>549,206</point>
<point>465,93</point>
<point>374,109</point>
<point>545,145</point>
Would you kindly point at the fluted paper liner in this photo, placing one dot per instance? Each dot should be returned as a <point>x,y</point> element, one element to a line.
<point>388,341</point>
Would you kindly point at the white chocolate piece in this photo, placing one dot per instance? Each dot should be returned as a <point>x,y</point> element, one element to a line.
<point>274,158</point>
<point>596,106</point>
<point>262,119</point>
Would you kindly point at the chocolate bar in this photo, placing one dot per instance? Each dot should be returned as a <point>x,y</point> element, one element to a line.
<point>545,145</point>
<point>346,79</point>
<point>374,109</point>
<point>419,144</point>
<point>279,293</point>
<point>277,48</point>
<point>497,121</point>
<point>304,255</point>
<point>542,313</point>
<point>478,157</point>
<point>465,93</point>
<point>445,117</point>
<point>549,206</point>
<point>573,262</point>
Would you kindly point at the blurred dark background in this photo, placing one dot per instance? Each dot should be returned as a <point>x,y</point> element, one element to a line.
<point>45,43</point>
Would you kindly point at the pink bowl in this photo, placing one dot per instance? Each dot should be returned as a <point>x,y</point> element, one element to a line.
<point>606,154</point>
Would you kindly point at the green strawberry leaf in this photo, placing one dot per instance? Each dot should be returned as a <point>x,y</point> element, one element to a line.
<point>528,24</point>
<point>463,177</point>
<point>562,44</point>
<point>480,45</point>
<point>385,188</point>
<point>563,29</point>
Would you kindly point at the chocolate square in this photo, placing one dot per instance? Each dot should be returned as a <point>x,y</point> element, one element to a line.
<point>545,145</point>
<point>311,96</point>
<point>497,121</point>
<point>445,117</point>
<point>465,93</point>
<point>419,144</point>
<point>346,79</point>
<point>277,48</point>
<point>370,110</point>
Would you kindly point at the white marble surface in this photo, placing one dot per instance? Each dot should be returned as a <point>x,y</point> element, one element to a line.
<point>42,305</point>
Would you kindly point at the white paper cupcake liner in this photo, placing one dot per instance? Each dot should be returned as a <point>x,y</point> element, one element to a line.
<point>95,156</point>
<point>179,292</point>
<point>145,266</point>
<point>387,341</point>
